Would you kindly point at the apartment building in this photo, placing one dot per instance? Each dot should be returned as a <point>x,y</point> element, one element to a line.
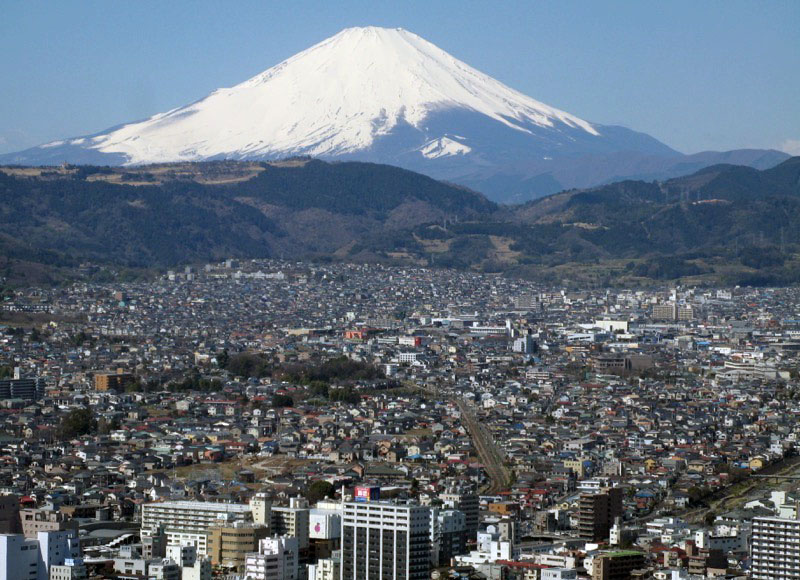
<point>190,521</point>
<point>597,511</point>
<point>276,559</point>
<point>775,549</point>
<point>385,541</point>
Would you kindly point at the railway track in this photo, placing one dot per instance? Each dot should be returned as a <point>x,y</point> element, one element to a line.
<point>490,455</point>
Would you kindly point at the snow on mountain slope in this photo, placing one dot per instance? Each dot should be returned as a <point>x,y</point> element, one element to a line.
<point>333,98</point>
<point>387,96</point>
<point>444,147</point>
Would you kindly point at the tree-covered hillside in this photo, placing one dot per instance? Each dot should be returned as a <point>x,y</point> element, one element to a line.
<point>725,223</point>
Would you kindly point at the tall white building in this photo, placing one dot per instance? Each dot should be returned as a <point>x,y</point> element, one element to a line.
<point>491,547</point>
<point>775,549</point>
<point>55,548</point>
<point>19,557</point>
<point>276,559</point>
<point>187,522</point>
<point>384,541</point>
<point>185,555</point>
<point>29,559</point>
<point>261,507</point>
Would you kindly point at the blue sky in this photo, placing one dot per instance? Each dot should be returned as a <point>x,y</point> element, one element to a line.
<point>696,75</point>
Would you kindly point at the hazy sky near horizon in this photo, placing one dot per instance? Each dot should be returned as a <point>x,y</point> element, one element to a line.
<point>696,75</point>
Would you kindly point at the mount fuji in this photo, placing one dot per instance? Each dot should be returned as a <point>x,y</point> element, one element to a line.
<point>389,96</point>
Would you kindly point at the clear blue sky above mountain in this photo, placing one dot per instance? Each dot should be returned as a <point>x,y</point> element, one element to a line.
<point>697,75</point>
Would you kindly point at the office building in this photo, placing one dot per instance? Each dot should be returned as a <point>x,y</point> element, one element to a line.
<point>597,511</point>
<point>19,388</point>
<point>276,559</point>
<point>187,564</point>
<point>19,557</point>
<point>155,546</point>
<point>113,381</point>
<point>448,535</point>
<point>617,565</point>
<point>324,529</point>
<point>164,569</point>
<point>291,521</point>
<point>24,558</point>
<point>559,574</point>
<point>55,548</point>
<point>130,562</point>
<point>527,302</point>
<point>385,541</point>
<point>466,501</point>
<point>200,570</point>
<point>261,506</point>
<point>229,545</point>
<point>665,311</point>
<point>775,549</point>
<point>525,344</point>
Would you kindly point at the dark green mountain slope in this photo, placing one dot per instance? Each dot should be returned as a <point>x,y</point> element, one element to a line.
<point>167,215</point>
<point>725,223</point>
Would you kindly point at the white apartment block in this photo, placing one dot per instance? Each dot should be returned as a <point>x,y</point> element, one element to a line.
<point>187,522</point>
<point>775,549</point>
<point>276,559</point>
<point>325,569</point>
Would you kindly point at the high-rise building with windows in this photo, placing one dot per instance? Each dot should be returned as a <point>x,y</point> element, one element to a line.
<point>25,389</point>
<point>617,565</point>
<point>228,545</point>
<point>775,549</point>
<point>9,514</point>
<point>261,506</point>
<point>71,569</point>
<point>291,521</point>
<point>667,311</point>
<point>464,500</point>
<point>19,557</point>
<point>385,541</point>
<point>24,558</point>
<point>448,535</point>
<point>187,522</point>
<point>596,513</point>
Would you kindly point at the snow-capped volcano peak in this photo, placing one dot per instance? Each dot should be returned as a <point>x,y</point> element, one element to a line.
<point>334,98</point>
<point>383,95</point>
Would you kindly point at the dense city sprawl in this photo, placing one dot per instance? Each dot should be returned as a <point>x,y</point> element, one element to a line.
<point>281,420</point>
